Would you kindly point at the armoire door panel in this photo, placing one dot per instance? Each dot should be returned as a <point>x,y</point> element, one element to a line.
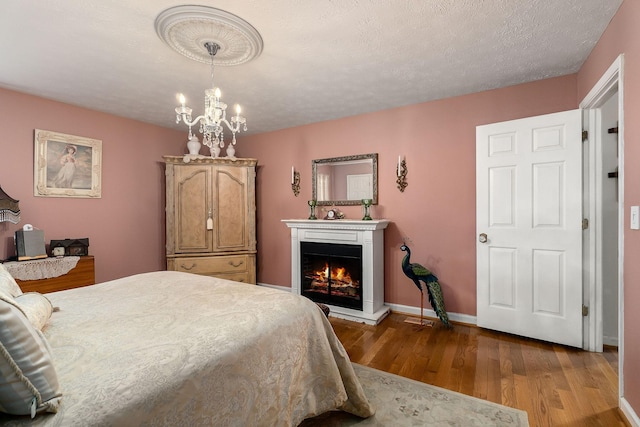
<point>231,209</point>
<point>192,204</point>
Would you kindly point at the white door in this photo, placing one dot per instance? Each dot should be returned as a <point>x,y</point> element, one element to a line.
<point>529,225</point>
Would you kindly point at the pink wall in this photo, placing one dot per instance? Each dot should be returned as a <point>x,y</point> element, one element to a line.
<point>623,36</point>
<point>126,226</point>
<point>436,211</point>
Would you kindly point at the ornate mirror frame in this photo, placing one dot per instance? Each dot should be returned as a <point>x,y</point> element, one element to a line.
<point>352,172</point>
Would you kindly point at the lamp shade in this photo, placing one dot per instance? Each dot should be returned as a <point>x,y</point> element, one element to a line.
<point>9,208</point>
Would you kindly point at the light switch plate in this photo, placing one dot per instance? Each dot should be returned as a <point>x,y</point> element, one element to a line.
<point>635,217</point>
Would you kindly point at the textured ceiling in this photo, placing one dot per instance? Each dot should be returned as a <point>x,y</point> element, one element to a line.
<point>322,59</point>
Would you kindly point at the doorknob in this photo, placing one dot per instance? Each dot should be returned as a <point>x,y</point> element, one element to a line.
<point>482,238</point>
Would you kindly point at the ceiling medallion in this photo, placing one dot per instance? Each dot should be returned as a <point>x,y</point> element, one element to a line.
<point>187,29</point>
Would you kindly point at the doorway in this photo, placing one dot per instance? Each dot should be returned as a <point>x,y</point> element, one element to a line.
<point>604,206</point>
<point>610,211</point>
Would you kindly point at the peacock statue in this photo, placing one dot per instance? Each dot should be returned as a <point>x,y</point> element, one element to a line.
<point>418,273</point>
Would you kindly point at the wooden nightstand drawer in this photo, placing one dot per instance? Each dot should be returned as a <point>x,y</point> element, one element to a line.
<point>240,268</point>
<point>82,275</point>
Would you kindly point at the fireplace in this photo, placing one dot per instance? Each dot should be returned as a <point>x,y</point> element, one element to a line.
<point>332,273</point>
<point>323,252</point>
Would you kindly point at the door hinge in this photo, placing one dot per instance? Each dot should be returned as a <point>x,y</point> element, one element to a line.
<point>585,135</point>
<point>585,223</point>
<point>585,310</point>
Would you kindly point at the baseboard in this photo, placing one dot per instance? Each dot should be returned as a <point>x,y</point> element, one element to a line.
<point>415,311</point>
<point>406,309</point>
<point>628,412</point>
<point>610,341</point>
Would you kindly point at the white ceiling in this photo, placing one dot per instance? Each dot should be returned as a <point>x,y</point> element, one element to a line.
<point>322,59</point>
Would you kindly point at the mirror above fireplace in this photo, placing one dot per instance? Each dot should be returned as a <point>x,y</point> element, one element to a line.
<point>345,181</point>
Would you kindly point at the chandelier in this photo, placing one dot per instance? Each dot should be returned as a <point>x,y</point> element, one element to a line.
<point>215,115</point>
<point>227,40</point>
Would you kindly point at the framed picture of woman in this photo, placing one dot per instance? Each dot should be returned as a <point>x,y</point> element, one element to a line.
<point>66,165</point>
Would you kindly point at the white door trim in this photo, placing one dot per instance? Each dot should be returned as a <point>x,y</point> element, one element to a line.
<point>610,81</point>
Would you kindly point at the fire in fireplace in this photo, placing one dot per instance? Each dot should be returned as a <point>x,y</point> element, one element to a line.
<point>332,273</point>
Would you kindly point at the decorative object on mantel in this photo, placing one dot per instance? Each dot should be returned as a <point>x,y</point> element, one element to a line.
<point>366,206</point>
<point>295,181</point>
<point>9,208</point>
<point>333,213</point>
<point>41,268</point>
<point>401,180</point>
<point>418,273</point>
<point>200,33</point>
<point>312,209</point>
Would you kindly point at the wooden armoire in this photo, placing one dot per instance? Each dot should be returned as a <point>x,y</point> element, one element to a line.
<point>211,217</point>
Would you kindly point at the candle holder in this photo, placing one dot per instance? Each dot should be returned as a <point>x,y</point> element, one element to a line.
<point>295,185</point>
<point>366,205</point>
<point>312,209</point>
<point>401,180</point>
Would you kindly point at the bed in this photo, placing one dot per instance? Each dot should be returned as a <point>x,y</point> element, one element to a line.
<point>172,348</point>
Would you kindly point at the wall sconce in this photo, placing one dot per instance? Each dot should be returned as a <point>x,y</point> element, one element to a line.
<point>295,181</point>
<point>401,173</point>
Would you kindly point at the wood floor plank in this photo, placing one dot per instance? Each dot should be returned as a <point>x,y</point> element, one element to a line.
<point>555,385</point>
<point>507,380</point>
<point>406,345</point>
<point>480,387</point>
<point>374,354</point>
<point>494,392</point>
<point>445,372</point>
<point>469,362</point>
<point>523,397</point>
<point>537,386</point>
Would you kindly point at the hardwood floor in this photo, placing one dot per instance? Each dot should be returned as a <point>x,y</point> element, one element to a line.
<point>554,384</point>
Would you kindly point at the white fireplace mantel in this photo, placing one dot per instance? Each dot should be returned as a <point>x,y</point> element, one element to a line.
<point>368,234</point>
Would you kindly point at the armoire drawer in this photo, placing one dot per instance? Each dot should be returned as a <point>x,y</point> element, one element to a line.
<point>240,268</point>
<point>218,264</point>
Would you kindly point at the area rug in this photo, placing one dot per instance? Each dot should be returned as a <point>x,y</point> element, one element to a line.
<point>402,402</point>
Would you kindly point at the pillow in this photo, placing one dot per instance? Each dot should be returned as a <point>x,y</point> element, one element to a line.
<point>36,307</point>
<point>6,295</point>
<point>8,283</point>
<point>28,379</point>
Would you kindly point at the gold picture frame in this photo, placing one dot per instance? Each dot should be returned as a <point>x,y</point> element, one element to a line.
<point>66,165</point>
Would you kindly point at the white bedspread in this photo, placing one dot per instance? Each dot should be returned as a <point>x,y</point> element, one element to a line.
<point>175,349</point>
